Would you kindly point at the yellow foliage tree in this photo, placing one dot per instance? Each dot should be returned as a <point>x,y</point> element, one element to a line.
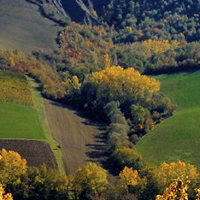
<point>159,46</point>
<point>124,85</point>
<point>129,176</point>
<point>11,165</point>
<point>176,191</point>
<point>166,173</point>
<point>106,61</point>
<point>71,85</point>
<point>3,195</point>
<point>90,179</point>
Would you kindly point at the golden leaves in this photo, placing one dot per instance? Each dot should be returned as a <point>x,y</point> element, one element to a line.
<point>159,46</point>
<point>116,83</point>
<point>129,176</point>
<point>168,172</point>
<point>90,178</point>
<point>176,191</point>
<point>4,196</point>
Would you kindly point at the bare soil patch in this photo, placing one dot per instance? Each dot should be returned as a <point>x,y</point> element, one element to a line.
<point>36,153</point>
<point>79,139</point>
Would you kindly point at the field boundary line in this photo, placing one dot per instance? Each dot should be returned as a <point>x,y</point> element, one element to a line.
<point>39,106</point>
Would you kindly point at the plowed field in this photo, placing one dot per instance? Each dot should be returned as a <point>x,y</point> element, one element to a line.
<point>80,141</point>
<point>35,152</point>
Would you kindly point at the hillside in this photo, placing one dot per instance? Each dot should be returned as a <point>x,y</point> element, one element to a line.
<point>162,19</point>
<point>76,13</point>
<point>177,138</point>
<point>23,27</point>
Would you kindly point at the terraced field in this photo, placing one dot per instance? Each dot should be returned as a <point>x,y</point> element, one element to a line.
<point>20,122</point>
<point>177,138</point>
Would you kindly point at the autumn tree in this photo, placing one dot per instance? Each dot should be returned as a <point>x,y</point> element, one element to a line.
<point>176,191</point>
<point>131,181</point>
<point>90,180</point>
<point>3,195</point>
<point>166,173</point>
<point>129,157</point>
<point>129,177</point>
<point>123,85</point>
<point>12,165</point>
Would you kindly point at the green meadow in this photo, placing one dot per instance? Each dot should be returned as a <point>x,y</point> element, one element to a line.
<point>19,121</point>
<point>178,137</point>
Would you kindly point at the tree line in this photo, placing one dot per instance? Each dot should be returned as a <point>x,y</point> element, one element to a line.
<point>168,181</point>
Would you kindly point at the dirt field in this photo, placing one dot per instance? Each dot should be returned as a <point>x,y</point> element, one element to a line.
<point>35,152</point>
<point>80,141</point>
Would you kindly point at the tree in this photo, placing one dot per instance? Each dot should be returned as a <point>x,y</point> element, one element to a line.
<point>127,157</point>
<point>166,173</point>
<point>123,85</point>
<point>3,195</point>
<point>129,176</point>
<point>90,180</point>
<point>176,191</point>
<point>12,165</point>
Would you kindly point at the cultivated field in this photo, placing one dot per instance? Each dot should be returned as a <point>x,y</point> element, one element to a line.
<point>22,27</point>
<point>79,140</point>
<point>177,138</point>
<point>14,88</point>
<point>19,121</point>
<point>35,152</point>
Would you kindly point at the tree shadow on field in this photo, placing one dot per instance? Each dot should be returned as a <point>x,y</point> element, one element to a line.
<point>96,150</point>
<point>98,153</point>
<point>80,113</point>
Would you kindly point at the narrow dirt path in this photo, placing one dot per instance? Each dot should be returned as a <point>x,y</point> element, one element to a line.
<point>80,140</point>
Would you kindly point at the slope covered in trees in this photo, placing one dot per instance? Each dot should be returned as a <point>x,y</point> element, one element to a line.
<point>140,20</point>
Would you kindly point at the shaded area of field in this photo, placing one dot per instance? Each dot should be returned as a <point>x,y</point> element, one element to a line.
<point>22,27</point>
<point>80,141</point>
<point>35,152</point>
<point>177,138</point>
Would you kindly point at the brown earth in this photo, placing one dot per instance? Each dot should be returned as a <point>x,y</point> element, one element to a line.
<point>36,153</point>
<point>79,139</point>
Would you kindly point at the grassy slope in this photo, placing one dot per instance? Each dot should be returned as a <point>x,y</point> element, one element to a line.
<point>177,138</point>
<point>22,27</point>
<point>19,121</point>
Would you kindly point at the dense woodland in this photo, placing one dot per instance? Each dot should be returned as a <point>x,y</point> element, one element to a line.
<point>101,67</point>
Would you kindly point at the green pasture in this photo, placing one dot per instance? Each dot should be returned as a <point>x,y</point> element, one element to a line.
<point>19,121</point>
<point>178,137</point>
